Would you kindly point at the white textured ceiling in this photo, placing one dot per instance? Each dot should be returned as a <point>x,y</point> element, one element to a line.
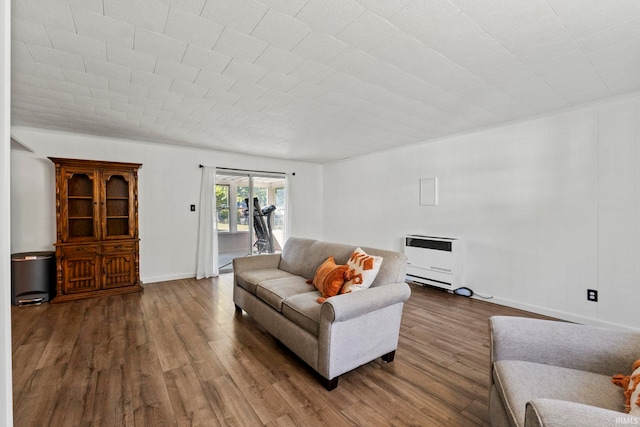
<point>314,80</point>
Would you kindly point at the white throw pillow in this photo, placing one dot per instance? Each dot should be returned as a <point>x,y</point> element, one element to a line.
<point>634,388</point>
<point>364,267</point>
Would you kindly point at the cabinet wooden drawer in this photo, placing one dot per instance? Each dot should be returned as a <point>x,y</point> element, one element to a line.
<point>80,251</point>
<point>118,247</point>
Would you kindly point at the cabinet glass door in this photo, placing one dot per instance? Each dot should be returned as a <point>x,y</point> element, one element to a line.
<point>80,207</point>
<point>117,206</point>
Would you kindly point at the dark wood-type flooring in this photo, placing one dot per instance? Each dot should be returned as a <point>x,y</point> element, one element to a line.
<point>178,354</point>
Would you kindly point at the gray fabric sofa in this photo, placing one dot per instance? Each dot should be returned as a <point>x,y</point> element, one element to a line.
<point>547,373</point>
<point>335,337</point>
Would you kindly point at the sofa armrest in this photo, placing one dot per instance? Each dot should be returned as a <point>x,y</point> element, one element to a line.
<point>549,412</point>
<point>586,348</point>
<point>257,262</point>
<point>355,304</point>
<point>357,327</point>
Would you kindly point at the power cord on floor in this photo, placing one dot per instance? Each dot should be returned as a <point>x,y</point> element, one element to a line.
<point>484,296</point>
<point>466,292</point>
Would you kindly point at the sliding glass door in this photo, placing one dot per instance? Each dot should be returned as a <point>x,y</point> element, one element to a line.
<point>250,214</point>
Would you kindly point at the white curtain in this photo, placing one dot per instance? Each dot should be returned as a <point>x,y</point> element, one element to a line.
<point>207,255</point>
<point>287,208</point>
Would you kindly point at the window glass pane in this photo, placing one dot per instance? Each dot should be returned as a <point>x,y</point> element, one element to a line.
<point>278,218</point>
<point>242,210</point>
<point>222,207</point>
<point>279,197</point>
<point>243,193</point>
<point>262,194</point>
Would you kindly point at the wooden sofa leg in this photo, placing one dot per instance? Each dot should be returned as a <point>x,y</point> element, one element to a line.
<point>238,309</point>
<point>389,357</point>
<point>330,384</point>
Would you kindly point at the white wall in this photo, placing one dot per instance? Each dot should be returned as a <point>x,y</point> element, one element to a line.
<point>169,181</point>
<point>548,208</point>
<point>6,398</point>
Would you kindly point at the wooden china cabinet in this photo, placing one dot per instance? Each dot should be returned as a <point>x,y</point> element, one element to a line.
<point>97,247</point>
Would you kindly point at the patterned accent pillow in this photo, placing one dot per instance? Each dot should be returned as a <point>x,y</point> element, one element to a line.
<point>364,268</point>
<point>631,385</point>
<point>634,391</point>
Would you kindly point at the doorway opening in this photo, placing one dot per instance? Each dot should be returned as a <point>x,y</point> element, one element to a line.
<point>251,215</point>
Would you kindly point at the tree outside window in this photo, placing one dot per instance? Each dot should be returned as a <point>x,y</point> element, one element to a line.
<point>278,218</point>
<point>222,207</point>
<point>242,210</point>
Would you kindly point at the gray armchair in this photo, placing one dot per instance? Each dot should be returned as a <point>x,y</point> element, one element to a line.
<point>548,373</point>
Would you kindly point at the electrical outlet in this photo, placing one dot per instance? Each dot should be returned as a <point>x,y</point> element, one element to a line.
<point>592,295</point>
<point>193,208</point>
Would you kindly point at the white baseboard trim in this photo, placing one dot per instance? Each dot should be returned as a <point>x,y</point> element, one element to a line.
<point>147,280</point>
<point>563,315</point>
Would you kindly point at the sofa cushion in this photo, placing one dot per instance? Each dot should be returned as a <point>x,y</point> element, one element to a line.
<point>249,279</point>
<point>302,257</point>
<point>295,257</point>
<point>304,311</point>
<point>518,382</point>
<point>275,291</point>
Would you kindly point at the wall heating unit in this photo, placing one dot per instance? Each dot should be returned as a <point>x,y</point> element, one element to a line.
<point>434,261</point>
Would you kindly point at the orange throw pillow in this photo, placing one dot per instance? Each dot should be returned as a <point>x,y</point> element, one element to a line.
<point>329,278</point>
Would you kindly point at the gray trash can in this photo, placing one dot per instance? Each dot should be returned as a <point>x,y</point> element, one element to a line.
<point>32,277</point>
